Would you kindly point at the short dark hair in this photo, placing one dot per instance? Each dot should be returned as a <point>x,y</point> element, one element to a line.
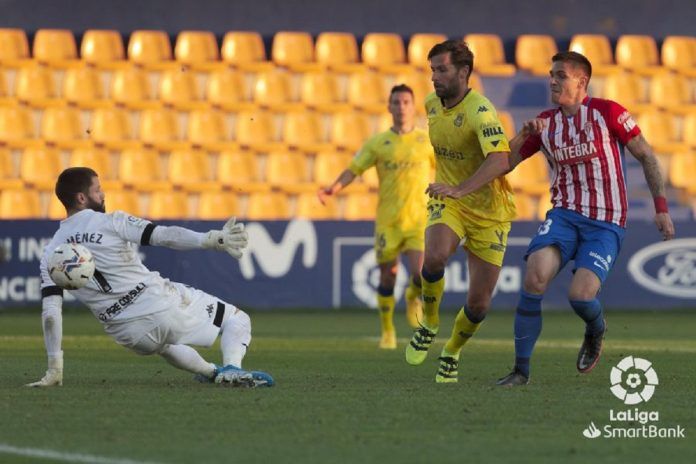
<point>400,88</point>
<point>460,53</point>
<point>576,59</point>
<point>71,182</point>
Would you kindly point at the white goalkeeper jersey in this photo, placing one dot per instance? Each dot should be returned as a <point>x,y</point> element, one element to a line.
<point>122,287</point>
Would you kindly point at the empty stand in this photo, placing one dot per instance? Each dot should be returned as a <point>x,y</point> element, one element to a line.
<point>489,55</point>
<point>533,53</point>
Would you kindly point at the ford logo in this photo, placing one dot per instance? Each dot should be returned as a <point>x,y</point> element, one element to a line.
<point>667,268</point>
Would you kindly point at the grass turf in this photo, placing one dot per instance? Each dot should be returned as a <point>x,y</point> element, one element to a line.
<point>339,399</point>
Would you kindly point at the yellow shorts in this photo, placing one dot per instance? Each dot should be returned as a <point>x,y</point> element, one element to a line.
<point>390,241</point>
<point>486,242</point>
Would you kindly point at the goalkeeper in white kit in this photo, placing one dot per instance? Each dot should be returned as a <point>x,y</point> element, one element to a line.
<point>138,308</point>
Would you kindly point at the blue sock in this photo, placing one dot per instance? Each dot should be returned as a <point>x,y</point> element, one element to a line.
<point>591,312</point>
<point>527,329</point>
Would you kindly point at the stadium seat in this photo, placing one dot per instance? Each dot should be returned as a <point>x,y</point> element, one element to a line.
<point>130,87</point>
<point>166,204</point>
<point>672,92</point>
<point>303,131</point>
<point>679,54</point>
<point>198,49</point>
<point>419,45</point>
<point>14,48</point>
<point>239,171</point>
<point>328,166</point>
<point>55,48</point>
<point>421,85</point>
<point>475,83</point>
<point>384,52</point>
<point>256,131</point>
<point>543,206</point>
<point>245,51</point>
<point>8,177</point>
<point>100,161</point>
<point>349,131</point>
<point>159,129</point>
<point>638,53</point>
<point>191,170</point>
<point>308,207</point>
<point>489,55</point>
<point>320,91</point>
<point>338,51</point>
<point>227,90</point>
<point>660,130</point>
<point>526,207</point>
<point>34,86</point>
<point>17,127</point>
<point>122,200</point>
<point>360,207</point>
<point>20,204</point>
<point>367,93</point>
<point>218,206</point>
<point>208,129</point>
<point>39,167</point>
<point>689,130</point>
<point>531,176</point>
<point>82,87</point>
<point>273,90</point>
<point>533,53</point>
<point>626,89</point>
<point>141,169</point>
<point>151,50</point>
<point>56,210</point>
<point>508,123</point>
<point>288,171</point>
<point>682,171</point>
<point>5,98</point>
<point>597,49</point>
<point>103,49</point>
<point>295,51</point>
<point>268,206</point>
<point>178,89</point>
<point>62,127</point>
<point>111,128</point>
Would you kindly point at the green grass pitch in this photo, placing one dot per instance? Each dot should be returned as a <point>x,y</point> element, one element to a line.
<point>339,399</point>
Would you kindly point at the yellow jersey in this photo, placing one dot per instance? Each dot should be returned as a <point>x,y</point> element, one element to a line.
<point>462,137</point>
<point>404,163</point>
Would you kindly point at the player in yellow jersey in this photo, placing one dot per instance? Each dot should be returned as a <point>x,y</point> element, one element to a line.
<point>469,203</point>
<point>404,159</point>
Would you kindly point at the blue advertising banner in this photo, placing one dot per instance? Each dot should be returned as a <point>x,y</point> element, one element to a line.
<point>331,264</point>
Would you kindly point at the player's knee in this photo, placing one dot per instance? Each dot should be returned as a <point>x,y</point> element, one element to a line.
<point>416,279</point>
<point>478,305</point>
<point>581,294</point>
<point>387,280</point>
<point>434,263</point>
<point>535,282</point>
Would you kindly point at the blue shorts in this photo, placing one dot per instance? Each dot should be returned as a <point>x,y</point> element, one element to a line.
<point>593,244</point>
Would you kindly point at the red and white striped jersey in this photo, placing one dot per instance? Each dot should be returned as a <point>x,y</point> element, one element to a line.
<point>585,152</point>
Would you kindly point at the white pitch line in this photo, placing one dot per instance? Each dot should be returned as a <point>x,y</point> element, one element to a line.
<point>68,457</point>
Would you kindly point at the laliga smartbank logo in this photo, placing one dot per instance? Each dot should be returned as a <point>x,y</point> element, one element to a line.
<point>633,381</point>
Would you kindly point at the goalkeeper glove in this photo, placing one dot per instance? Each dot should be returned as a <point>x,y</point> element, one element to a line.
<point>54,373</point>
<point>232,238</point>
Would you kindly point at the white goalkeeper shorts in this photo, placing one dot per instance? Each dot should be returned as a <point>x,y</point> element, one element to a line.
<point>196,321</point>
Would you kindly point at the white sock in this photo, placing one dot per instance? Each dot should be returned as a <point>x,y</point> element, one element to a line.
<point>235,338</point>
<point>186,358</point>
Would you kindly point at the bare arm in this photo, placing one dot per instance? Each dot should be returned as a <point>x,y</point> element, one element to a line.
<point>495,165</point>
<point>531,127</point>
<point>341,182</point>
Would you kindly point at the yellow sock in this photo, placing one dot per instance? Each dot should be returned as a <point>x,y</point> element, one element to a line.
<point>432,294</point>
<point>414,305</point>
<point>412,292</point>
<point>385,305</point>
<point>462,331</point>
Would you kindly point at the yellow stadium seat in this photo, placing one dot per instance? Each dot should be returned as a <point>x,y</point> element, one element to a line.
<point>304,132</point>
<point>489,55</point>
<point>475,83</point>
<point>178,89</point>
<point>531,176</point>
<point>34,86</point>
<point>245,50</point>
<point>533,53</point>
<point>197,49</point>
<point>384,52</point>
<point>328,166</point>
<point>273,90</point>
<point>295,51</point>
<point>151,50</point>
<point>39,167</point>
<point>597,49</point>
<point>419,45</point>
<point>320,91</point>
<point>338,51</point>
<point>672,92</point>
<point>111,128</point>
<point>103,49</point>
<point>123,200</point>
<point>218,206</point>
<point>141,169</point>
<point>14,48</point>
<point>130,87</point>
<point>56,210</point>
<point>508,123</point>
<point>638,53</point>
<point>543,206</point>
<point>8,177</point>
<point>349,131</point>
<point>288,171</point>
<point>660,130</point>
<point>191,170</point>
<point>256,131</point>
<point>366,92</point>
<point>360,207</point>
<point>526,207</point>
<point>268,206</point>
<point>62,127</point>
<point>421,85</point>
<point>100,161</point>
<point>689,130</point>
<point>682,171</point>
<point>679,54</point>
<point>159,129</point>
<point>20,204</point>
<point>56,48</point>
<point>5,99</point>
<point>83,87</point>
<point>207,129</point>
<point>227,90</point>
<point>166,204</point>
<point>17,127</point>
<point>309,207</point>
<point>626,89</point>
<point>239,171</point>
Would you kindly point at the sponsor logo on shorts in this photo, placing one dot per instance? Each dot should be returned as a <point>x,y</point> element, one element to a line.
<point>600,261</point>
<point>435,210</point>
